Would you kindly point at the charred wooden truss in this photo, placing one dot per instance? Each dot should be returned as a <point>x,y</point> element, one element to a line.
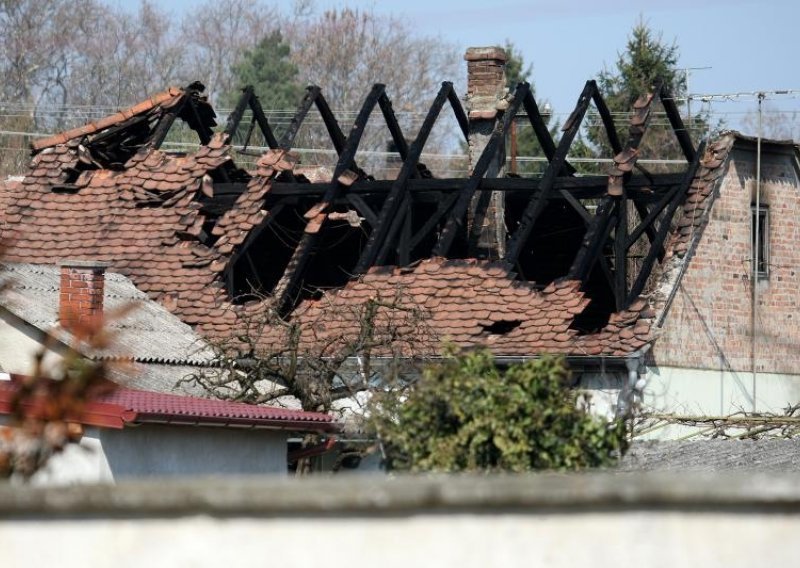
<point>415,215</point>
<point>552,232</point>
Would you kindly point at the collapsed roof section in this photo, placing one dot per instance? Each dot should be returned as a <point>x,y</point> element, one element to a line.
<point>110,142</point>
<point>211,241</point>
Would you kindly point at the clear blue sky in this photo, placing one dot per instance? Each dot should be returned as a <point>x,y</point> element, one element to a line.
<point>749,45</point>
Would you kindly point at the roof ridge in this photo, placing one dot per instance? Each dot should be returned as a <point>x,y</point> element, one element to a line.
<point>159,99</point>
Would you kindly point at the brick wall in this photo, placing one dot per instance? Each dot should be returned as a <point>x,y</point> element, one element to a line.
<point>81,293</point>
<point>709,323</point>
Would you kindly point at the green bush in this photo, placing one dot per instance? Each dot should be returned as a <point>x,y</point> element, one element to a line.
<point>465,414</point>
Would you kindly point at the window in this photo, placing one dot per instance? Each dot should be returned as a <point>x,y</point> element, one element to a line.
<point>759,220</point>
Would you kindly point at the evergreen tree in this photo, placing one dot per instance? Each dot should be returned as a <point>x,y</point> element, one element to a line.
<point>647,58</point>
<point>527,144</point>
<point>268,67</point>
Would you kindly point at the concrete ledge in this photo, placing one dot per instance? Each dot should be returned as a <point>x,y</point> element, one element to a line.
<point>401,496</point>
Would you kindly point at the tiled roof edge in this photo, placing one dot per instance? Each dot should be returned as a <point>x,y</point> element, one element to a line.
<point>92,127</point>
<point>672,274</point>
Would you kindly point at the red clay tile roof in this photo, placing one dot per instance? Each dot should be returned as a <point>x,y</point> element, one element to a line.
<point>163,100</point>
<point>124,406</point>
<point>474,303</point>
<point>701,194</point>
<point>146,221</point>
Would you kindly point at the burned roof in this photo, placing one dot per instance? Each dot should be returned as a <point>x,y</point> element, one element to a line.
<point>213,243</point>
<point>472,303</point>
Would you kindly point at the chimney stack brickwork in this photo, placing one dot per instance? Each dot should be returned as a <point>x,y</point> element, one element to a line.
<point>81,293</point>
<point>486,80</point>
<point>486,96</point>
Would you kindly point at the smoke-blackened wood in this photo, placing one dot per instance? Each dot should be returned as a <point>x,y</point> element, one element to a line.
<point>235,117</point>
<point>458,110</point>
<point>664,226</point>
<point>675,120</point>
<point>263,123</point>
<point>457,214</point>
<point>165,123</point>
<point>388,220</point>
<point>285,291</point>
<point>621,254</point>
<point>608,121</point>
<point>539,199</point>
<point>358,202</point>
<point>593,241</point>
<point>287,140</point>
<point>583,187</point>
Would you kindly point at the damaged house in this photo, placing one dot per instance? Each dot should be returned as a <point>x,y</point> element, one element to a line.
<point>524,266</point>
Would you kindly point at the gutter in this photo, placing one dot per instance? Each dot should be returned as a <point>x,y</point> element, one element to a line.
<point>137,418</point>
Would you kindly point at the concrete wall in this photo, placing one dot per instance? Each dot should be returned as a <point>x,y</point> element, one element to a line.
<point>107,456</point>
<point>78,463</point>
<point>704,392</point>
<point>555,521</point>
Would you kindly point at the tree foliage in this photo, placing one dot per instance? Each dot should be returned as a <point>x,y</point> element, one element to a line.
<point>346,51</point>
<point>269,69</point>
<point>518,71</point>
<point>327,353</point>
<point>67,62</point>
<point>647,57</point>
<point>466,414</point>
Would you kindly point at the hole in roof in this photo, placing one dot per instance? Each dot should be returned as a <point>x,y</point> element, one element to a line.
<point>501,327</point>
<point>554,241</point>
<point>602,304</point>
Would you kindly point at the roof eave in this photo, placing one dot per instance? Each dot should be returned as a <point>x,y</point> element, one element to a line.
<point>137,418</point>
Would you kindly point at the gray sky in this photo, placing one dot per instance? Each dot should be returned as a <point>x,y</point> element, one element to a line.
<point>749,45</point>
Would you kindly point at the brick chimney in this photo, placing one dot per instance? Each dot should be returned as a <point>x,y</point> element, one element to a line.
<point>486,92</point>
<point>81,293</point>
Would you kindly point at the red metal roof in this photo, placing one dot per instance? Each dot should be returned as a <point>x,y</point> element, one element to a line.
<point>130,406</point>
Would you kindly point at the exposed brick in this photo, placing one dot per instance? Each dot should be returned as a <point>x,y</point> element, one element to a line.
<point>81,295</point>
<point>708,325</point>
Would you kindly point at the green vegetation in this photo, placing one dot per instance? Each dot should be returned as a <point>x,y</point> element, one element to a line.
<point>268,67</point>
<point>466,414</point>
<point>646,58</point>
<point>527,144</point>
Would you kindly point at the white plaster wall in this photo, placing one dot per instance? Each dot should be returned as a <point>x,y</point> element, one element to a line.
<point>603,391</point>
<point>18,348</point>
<point>710,392</point>
<point>655,539</point>
<point>162,450</point>
<point>78,463</point>
<point>703,392</point>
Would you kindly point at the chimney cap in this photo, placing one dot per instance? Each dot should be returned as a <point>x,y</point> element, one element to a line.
<point>91,264</point>
<point>492,53</point>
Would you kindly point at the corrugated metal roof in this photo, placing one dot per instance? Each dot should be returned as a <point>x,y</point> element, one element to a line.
<point>148,333</point>
<point>713,455</point>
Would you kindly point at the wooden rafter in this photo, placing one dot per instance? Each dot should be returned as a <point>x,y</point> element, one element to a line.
<point>538,201</point>
<point>387,206</point>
